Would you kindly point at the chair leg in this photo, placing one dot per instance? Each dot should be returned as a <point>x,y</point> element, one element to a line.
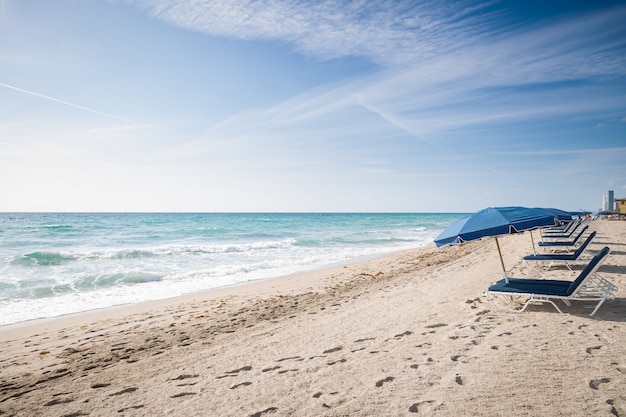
<point>541,301</point>
<point>597,307</point>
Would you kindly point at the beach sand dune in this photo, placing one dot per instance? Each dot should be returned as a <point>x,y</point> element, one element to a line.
<point>407,334</point>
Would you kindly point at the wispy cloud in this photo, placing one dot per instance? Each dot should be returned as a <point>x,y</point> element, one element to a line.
<point>385,31</point>
<point>545,72</point>
<point>426,88</point>
<point>453,83</point>
<point>395,32</point>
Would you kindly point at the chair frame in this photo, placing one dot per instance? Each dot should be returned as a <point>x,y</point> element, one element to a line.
<point>567,259</point>
<point>560,245</point>
<point>562,234</point>
<point>592,287</point>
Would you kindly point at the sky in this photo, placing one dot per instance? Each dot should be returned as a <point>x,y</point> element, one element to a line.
<point>312,106</point>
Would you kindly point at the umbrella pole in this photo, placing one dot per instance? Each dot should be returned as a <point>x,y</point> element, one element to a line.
<point>506,278</point>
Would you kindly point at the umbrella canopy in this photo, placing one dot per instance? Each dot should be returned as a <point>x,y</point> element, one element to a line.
<point>493,222</point>
<point>560,215</point>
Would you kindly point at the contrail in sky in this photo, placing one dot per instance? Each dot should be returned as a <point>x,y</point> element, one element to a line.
<point>111,116</point>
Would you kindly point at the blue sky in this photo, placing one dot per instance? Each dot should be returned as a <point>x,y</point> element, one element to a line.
<point>286,105</point>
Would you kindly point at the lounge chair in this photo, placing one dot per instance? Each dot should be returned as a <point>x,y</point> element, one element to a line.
<point>566,258</point>
<point>588,286</point>
<point>563,244</point>
<point>563,227</point>
<point>562,234</point>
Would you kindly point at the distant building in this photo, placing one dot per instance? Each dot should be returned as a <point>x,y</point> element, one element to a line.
<point>611,200</point>
<point>608,203</point>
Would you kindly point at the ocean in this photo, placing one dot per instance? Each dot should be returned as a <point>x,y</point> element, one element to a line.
<point>52,264</point>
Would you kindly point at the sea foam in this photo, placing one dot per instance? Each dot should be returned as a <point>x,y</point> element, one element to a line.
<point>59,263</point>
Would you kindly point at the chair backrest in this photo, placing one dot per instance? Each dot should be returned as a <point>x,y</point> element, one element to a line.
<point>582,247</point>
<point>580,234</point>
<point>571,232</point>
<point>568,231</point>
<point>589,269</point>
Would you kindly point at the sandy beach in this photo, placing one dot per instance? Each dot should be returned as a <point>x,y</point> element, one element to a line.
<point>406,334</point>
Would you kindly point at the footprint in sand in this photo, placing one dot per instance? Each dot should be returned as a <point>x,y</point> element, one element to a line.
<point>416,407</point>
<point>132,407</point>
<point>234,372</point>
<point>284,371</point>
<point>124,391</point>
<point>58,401</point>
<point>382,381</point>
<point>243,384</point>
<point>185,376</point>
<point>182,394</point>
<point>295,358</point>
<point>615,411</point>
<point>589,350</point>
<point>595,383</point>
<point>434,326</point>
<point>266,411</point>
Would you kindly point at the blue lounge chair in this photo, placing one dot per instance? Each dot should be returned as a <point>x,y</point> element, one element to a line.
<point>588,286</point>
<point>564,226</point>
<point>563,234</point>
<point>566,258</point>
<point>563,244</point>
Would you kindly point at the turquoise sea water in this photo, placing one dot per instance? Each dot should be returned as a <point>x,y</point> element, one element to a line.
<point>59,263</point>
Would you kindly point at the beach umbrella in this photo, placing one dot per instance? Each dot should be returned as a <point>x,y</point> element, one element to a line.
<point>561,215</point>
<point>493,222</point>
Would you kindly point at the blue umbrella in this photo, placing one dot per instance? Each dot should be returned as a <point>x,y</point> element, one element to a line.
<point>561,215</point>
<point>493,222</point>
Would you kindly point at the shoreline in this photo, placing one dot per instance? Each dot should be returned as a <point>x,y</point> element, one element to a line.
<point>261,284</point>
<point>407,333</point>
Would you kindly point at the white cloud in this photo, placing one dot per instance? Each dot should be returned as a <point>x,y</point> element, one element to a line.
<point>384,31</point>
<point>391,32</point>
<point>438,92</point>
